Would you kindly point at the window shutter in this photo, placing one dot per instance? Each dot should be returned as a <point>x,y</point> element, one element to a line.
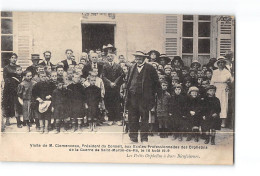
<point>172,38</point>
<point>23,39</point>
<point>225,35</point>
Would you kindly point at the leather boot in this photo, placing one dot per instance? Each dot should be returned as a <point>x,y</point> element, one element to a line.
<point>180,137</point>
<point>212,140</point>
<point>196,135</point>
<point>41,126</point>
<point>166,132</point>
<point>28,128</point>
<point>74,126</point>
<point>18,120</point>
<point>57,126</point>
<point>189,137</point>
<point>206,139</point>
<point>150,129</point>
<point>46,130</point>
<point>161,132</point>
<point>7,123</point>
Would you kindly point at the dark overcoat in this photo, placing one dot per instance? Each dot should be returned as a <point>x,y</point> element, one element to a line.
<point>150,85</point>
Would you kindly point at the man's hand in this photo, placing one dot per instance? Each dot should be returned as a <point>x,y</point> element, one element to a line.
<point>112,85</point>
<point>204,117</point>
<point>192,113</point>
<point>86,105</point>
<point>52,109</point>
<point>48,97</point>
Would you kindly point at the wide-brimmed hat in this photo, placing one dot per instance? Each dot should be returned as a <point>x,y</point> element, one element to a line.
<point>165,57</point>
<point>140,53</point>
<point>195,62</point>
<point>110,46</point>
<point>193,88</point>
<point>35,57</point>
<point>154,51</point>
<point>211,87</point>
<point>177,58</point>
<point>220,59</point>
<point>43,106</point>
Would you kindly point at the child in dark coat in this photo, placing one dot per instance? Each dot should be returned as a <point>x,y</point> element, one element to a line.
<point>24,92</point>
<point>11,105</point>
<point>93,101</point>
<point>41,93</point>
<point>193,110</point>
<point>178,105</point>
<point>163,109</point>
<point>210,115</point>
<point>77,101</point>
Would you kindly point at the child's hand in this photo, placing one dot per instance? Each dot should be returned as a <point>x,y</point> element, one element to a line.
<point>39,100</point>
<point>192,113</point>
<point>214,115</point>
<point>48,97</point>
<point>52,109</point>
<point>112,85</point>
<point>204,117</point>
<point>86,106</point>
<point>170,114</point>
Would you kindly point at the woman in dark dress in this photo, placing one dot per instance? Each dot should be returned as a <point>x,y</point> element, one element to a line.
<point>11,67</point>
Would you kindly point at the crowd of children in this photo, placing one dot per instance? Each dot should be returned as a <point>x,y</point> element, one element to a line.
<point>55,97</point>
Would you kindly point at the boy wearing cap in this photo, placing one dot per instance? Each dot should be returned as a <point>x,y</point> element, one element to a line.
<point>193,113</point>
<point>177,109</point>
<point>210,115</point>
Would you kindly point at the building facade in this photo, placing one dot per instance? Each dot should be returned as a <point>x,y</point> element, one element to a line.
<point>198,37</point>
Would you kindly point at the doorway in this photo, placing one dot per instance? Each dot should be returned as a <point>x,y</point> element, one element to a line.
<point>94,36</point>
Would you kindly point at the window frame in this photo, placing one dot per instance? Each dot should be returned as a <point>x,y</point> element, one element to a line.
<point>196,37</point>
<point>12,35</point>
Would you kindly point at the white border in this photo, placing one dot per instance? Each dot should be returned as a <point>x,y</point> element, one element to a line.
<point>247,13</point>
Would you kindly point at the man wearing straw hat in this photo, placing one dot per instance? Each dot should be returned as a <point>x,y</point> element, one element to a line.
<point>142,85</point>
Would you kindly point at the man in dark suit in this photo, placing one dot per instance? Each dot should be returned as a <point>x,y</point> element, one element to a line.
<point>92,64</point>
<point>47,60</point>
<point>35,60</point>
<point>68,61</point>
<point>113,78</point>
<point>142,85</point>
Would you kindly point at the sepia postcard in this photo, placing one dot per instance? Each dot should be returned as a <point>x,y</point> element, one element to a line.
<point>117,88</point>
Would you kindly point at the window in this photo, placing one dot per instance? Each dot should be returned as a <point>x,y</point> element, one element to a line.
<point>6,37</point>
<point>196,33</point>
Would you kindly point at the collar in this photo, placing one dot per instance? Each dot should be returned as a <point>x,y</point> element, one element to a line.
<point>141,65</point>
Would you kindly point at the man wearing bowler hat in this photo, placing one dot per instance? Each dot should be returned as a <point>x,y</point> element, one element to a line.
<point>142,85</point>
<point>35,62</point>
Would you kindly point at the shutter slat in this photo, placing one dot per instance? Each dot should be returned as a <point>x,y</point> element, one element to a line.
<point>24,39</point>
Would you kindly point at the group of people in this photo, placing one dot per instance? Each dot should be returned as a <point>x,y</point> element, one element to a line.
<point>154,94</point>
